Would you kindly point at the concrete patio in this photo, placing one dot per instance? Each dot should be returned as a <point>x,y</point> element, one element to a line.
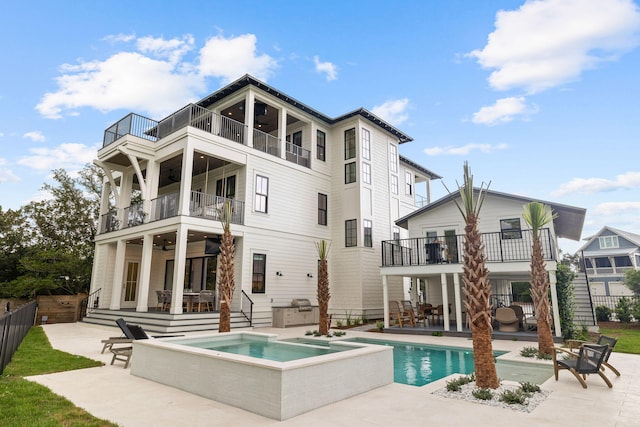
<point>110,392</point>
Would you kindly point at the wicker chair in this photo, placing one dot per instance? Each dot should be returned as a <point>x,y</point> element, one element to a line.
<point>587,361</point>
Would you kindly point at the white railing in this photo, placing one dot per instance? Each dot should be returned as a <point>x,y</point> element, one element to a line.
<point>266,143</point>
<point>164,206</point>
<point>213,207</point>
<point>298,155</point>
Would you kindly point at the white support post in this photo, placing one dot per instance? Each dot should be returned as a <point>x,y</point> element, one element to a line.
<point>145,273</point>
<point>385,300</point>
<point>457,296</point>
<point>180,254</point>
<point>445,301</point>
<point>118,275</point>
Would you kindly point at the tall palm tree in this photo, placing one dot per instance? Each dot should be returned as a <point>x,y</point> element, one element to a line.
<point>226,282</point>
<point>323,286</point>
<point>476,280</point>
<point>537,215</point>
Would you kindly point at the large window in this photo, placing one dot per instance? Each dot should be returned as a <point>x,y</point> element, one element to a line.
<point>321,145</point>
<point>262,193</point>
<point>394,184</point>
<point>322,209</point>
<point>227,187</point>
<point>608,242</point>
<point>368,233</point>
<point>349,144</point>
<point>258,276</point>
<point>366,144</point>
<point>350,173</point>
<point>510,228</point>
<point>351,233</point>
<point>366,173</point>
<point>408,183</point>
<point>393,158</point>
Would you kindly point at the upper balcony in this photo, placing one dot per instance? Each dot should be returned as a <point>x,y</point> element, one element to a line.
<point>208,121</point>
<point>498,247</point>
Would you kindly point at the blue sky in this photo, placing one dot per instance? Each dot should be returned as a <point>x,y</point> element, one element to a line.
<point>540,97</point>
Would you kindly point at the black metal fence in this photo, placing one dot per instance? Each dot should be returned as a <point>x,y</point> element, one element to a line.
<point>13,328</point>
<point>609,301</point>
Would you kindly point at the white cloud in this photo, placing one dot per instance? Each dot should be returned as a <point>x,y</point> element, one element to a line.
<point>393,111</point>
<point>156,78</point>
<point>464,149</point>
<point>504,110</point>
<point>330,69</point>
<point>629,180</point>
<point>617,208</point>
<point>35,135</point>
<point>68,156</point>
<point>119,38</point>
<point>6,175</point>
<point>546,43</point>
<point>230,58</point>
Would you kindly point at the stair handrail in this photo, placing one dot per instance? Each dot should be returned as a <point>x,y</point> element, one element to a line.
<point>248,316</point>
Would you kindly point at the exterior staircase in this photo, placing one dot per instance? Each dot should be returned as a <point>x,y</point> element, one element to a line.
<point>584,313</point>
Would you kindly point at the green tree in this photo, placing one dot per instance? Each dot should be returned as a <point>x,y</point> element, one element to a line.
<point>14,242</point>
<point>566,306</point>
<point>477,287</point>
<point>632,280</point>
<point>537,215</point>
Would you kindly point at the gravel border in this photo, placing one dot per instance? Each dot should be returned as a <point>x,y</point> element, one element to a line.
<point>467,389</point>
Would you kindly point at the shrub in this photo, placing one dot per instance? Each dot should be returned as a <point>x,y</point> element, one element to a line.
<point>454,385</point>
<point>513,397</point>
<point>603,313</point>
<point>623,310</point>
<point>380,325</point>
<point>482,394</point>
<point>529,352</point>
<point>529,388</point>
<point>436,334</point>
<point>339,323</point>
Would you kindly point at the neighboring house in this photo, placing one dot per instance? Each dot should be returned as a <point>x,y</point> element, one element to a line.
<point>432,256</point>
<point>607,256</point>
<point>293,176</point>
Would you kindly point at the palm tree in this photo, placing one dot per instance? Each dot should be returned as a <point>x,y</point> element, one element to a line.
<point>226,283</point>
<point>476,280</point>
<point>537,215</point>
<point>323,286</point>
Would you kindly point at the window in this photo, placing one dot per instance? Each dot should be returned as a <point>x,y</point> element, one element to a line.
<point>510,229</point>
<point>366,173</point>
<point>393,158</point>
<point>368,239</point>
<point>408,183</point>
<point>432,236</point>
<point>603,262</point>
<point>350,233</point>
<point>321,145</point>
<point>262,193</point>
<point>297,138</point>
<point>229,186</point>
<point>622,261</point>
<point>350,173</point>
<point>322,209</point>
<point>349,144</point>
<point>366,144</point>
<point>396,233</point>
<point>608,242</point>
<point>394,184</point>
<point>258,276</point>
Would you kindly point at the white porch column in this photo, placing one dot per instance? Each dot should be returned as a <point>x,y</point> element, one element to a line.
<point>185,180</point>
<point>125,197</point>
<point>180,255</point>
<point>118,275</point>
<point>456,291</point>
<point>153,176</point>
<point>385,300</point>
<point>249,117</point>
<point>445,301</point>
<point>282,132</point>
<point>413,294</point>
<point>145,273</point>
<point>554,303</point>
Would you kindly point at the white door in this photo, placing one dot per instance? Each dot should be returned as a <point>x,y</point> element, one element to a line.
<point>130,285</point>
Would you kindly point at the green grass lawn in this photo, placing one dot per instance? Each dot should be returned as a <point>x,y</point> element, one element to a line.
<point>628,337</point>
<point>25,403</point>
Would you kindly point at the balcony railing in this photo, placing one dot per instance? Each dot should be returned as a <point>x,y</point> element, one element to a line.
<point>298,155</point>
<point>165,206</point>
<point>131,124</point>
<point>109,222</point>
<point>213,207</point>
<point>498,247</point>
<point>134,215</point>
<point>266,143</point>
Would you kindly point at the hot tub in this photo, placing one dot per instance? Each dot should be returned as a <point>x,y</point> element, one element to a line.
<point>276,389</point>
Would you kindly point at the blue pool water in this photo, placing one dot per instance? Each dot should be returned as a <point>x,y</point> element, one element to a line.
<point>271,350</point>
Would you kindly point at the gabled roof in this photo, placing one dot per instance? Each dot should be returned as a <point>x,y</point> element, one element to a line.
<point>416,166</point>
<point>249,80</point>
<point>631,237</point>
<point>568,223</point>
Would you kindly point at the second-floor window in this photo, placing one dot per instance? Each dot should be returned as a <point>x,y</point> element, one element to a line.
<point>258,274</point>
<point>366,144</point>
<point>408,183</point>
<point>510,229</point>
<point>322,209</point>
<point>366,173</point>
<point>396,233</point>
<point>349,144</point>
<point>350,173</point>
<point>393,158</point>
<point>350,233</point>
<point>262,193</point>
<point>394,184</point>
<point>321,145</point>
<point>368,233</point>
<point>608,242</point>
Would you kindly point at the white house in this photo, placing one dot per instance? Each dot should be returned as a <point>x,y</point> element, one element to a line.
<point>432,256</point>
<point>293,176</point>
